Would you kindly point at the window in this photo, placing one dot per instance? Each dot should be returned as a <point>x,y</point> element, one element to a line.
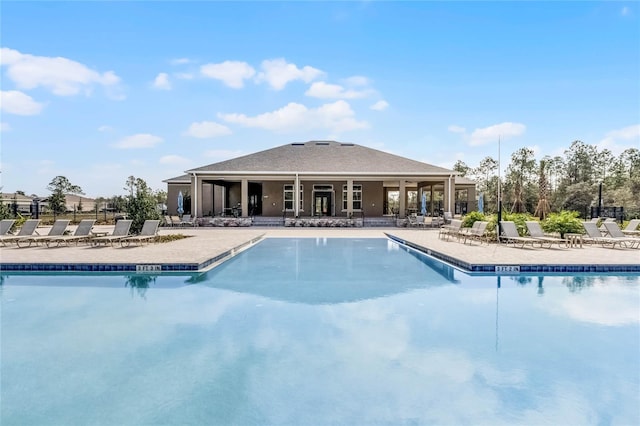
<point>357,197</point>
<point>288,198</point>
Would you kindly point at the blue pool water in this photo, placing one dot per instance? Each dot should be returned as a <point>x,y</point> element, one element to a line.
<point>320,331</point>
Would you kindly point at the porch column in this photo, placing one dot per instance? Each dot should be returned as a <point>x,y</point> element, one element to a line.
<point>448,195</point>
<point>403,198</point>
<point>296,196</point>
<point>196,205</point>
<point>349,197</point>
<point>244,197</point>
<point>472,204</point>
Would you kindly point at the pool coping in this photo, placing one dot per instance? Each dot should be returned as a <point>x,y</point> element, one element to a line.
<point>516,268</point>
<point>138,267</point>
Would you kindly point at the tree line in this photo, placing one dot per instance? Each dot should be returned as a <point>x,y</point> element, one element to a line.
<point>569,182</point>
<point>140,204</point>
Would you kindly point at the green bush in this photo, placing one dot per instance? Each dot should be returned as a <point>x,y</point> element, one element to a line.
<point>563,223</point>
<point>519,219</point>
<point>470,218</point>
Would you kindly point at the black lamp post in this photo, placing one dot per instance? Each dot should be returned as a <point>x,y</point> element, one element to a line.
<point>600,199</point>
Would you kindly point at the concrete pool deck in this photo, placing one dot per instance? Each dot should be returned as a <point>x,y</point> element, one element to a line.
<point>208,246</point>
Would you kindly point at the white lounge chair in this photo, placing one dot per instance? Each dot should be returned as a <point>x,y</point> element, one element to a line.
<point>510,235</point>
<point>594,235</point>
<point>148,233</point>
<point>616,233</point>
<point>82,233</point>
<point>476,232</point>
<point>535,231</point>
<point>57,230</point>
<point>5,226</point>
<point>120,231</point>
<point>632,228</point>
<point>27,229</point>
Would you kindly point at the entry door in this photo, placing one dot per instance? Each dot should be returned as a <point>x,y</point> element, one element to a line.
<point>322,204</point>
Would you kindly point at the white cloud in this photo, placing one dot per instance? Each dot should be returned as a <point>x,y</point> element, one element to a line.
<point>207,129</point>
<point>324,90</point>
<point>4,127</point>
<point>15,102</point>
<point>337,117</point>
<point>173,160</point>
<point>180,61</point>
<point>162,82</point>
<point>618,140</point>
<point>105,128</point>
<point>62,76</point>
<point>357,80</point>
<point>183,76</point>
<point>140,140</point>
<point>231,73</point>
<point>456,129</point>
<point>380,106</point>
<point>492,133</point>
<point>278,72</point>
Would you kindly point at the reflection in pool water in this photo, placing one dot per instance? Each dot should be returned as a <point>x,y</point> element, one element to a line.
<point>306,331</point>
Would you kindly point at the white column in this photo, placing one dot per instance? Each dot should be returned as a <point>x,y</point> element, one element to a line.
<point>349,197</point>
<point>244,197</point>
<point>296,196</point>
<point>403,199</point>
<point>196,207</point>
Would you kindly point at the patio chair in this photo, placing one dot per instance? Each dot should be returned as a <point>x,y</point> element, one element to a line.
<point>27,229</point>
<point>535,231</point>
<point>451,229</point>
<point>476,232</point>
<point>616,233</point>
<point>120,231</point>
<point>448,217</point>
<point>510,235</point>
<point>167,220</point>
<point>594,235</point>
<point>5,226</point>
<point>149,232</point>
<point>82,233</point>
<point>632,228</point>
<point>58,228</point>
<point>186,220</point>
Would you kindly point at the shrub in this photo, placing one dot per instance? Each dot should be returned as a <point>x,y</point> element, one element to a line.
<point>470,218</point>
<point>519,219</point>
<point>563,223</point>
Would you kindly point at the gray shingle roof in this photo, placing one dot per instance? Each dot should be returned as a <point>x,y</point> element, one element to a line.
<point>323,157</point>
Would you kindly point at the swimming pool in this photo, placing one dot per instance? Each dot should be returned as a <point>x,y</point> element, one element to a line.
<point>320,331</point>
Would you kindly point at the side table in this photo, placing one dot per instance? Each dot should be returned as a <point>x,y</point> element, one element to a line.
<point>573,240</point>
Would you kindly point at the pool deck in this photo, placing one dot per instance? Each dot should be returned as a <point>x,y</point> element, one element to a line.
<point>206,247</point>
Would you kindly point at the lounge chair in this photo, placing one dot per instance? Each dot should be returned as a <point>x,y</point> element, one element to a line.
<point>535,231</point>
<point>616,233</point>
<point>82,233</point>
<point>5,226</point>
<point>594,235</point>
<point>57,230</point>
<point>448,217</point>
<point>476,232</point>
<point>148,233</point>
<point>187,220</point>
<point>632,228</point>
<point>510,235</point>
<point>120,231</point>
<point>27,229</point>
<point>451,229</point>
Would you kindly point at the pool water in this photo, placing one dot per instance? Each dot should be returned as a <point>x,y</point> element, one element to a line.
<point>320,331</point>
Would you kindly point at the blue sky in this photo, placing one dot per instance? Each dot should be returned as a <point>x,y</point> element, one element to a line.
<point>99,91</point>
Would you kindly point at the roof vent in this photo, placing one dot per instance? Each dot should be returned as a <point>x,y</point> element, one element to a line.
<point>297,144</point>
<point>346,144</point>
<point>322,143</point>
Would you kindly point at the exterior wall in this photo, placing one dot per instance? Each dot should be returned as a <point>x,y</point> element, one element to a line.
<point>272,198</point>
<point>172,196</point>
